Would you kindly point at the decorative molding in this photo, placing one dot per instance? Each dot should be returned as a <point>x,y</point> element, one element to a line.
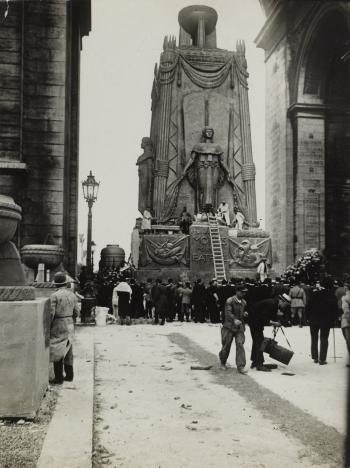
<point>13,167</point>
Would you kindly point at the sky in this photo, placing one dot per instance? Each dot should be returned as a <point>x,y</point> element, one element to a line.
<point>117,64</point>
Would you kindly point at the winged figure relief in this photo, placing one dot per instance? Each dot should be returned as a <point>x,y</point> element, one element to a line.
<point>247,254</point>
<point>165,251</point>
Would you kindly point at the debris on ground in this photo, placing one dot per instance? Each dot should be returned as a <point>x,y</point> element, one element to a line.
<point>201,367</point>
<point>186,406</point>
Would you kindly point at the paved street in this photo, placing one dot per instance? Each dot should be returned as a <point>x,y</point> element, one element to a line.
<point>153,410</point>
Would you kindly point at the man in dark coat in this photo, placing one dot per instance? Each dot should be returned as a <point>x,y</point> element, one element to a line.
<point>198,301</point>
<point>172,300</point>
<point>262,313</point>
<point>136,304</point>
<point>322,312</point>
<point>159,295</point>
<point>224,292</point>
<point>211,298</point>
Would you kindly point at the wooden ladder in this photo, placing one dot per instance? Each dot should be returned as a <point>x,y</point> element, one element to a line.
<point>216,248</point>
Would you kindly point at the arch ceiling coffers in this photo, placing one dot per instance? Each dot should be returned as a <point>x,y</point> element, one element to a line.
<point>313,52</point>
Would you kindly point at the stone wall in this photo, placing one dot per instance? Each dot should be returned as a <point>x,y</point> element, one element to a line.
<point>279,159</point>
<point>39,88</point>
<point>25,352</point>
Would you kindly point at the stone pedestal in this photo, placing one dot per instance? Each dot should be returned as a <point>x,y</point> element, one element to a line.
<point>201,257</point>
<point>24,351</point>
<point>245,250</point>
<point>163,254</point>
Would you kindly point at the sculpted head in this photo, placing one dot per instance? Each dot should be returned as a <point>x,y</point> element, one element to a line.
<point>146,141</point>
<point>208,132</point>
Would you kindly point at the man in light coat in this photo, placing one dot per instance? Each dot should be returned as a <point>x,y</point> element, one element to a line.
<point>64,309</point>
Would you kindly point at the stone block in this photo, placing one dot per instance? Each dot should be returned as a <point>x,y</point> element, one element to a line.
<point>201,260</point>
<point>24,350</point>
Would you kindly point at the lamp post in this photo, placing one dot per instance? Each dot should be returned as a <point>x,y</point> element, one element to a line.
<point>81,240</point>
<point>93,247</point>
<point>90,190</point>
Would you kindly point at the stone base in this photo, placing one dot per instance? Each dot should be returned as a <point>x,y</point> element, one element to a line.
<point>17,293</point>
<point>43,289</point>
<point>177,274</point>
<point>242,252</point>
<point>24,351</point>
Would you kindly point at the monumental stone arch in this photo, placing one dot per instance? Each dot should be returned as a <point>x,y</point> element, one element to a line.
<point>200,154</point>
<point>307,129</point>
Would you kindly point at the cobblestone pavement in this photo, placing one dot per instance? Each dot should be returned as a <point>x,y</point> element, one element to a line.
<point>153,410</point>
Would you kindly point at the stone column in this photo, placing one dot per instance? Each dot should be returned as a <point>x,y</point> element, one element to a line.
<point>161,169</point>
<point>309,184</point>
<point>248,168</point>
<point>201,33</point>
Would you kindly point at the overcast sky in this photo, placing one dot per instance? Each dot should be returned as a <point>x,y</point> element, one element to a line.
<point>117,64</point>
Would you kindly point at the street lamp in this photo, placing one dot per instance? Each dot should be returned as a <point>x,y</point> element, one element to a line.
<point>90,190</point>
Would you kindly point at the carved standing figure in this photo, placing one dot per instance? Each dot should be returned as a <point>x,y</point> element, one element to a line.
<point>207,171</point>
<point>145,165</point>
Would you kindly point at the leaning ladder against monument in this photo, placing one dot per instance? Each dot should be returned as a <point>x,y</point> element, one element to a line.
<point>216,248</point>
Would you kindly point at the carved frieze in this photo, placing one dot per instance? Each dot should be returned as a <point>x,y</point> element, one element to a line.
<point>247,252</point>
<point>164,250</point>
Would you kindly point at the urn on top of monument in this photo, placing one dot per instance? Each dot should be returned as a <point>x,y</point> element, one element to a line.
<point>199,22</point>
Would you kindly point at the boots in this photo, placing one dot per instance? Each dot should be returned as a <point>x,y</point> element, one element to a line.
<point>58,370</point>
<point>69,373</point>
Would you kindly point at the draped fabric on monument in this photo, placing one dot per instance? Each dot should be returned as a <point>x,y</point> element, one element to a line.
<point>165,250</point>
<point>205,77</point>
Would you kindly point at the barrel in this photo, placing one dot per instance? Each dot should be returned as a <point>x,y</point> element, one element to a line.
<point>100,316</point>
<point>112,256</point>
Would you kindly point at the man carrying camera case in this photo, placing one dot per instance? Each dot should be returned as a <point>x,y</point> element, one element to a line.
<point>262,313</point>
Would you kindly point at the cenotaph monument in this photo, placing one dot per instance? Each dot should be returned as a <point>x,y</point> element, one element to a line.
<point>197,159</point>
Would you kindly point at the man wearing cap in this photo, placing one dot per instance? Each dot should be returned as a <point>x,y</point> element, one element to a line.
<point>262,313</point>
<point>233,327</point>
<point>64,308</point>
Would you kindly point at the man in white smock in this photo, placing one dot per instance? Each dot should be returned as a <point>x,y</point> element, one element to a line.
<point>223,212</point>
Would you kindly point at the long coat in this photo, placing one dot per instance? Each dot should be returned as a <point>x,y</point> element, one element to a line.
<point>323,308</point>
<point>64,305</point>
<point>159,294</point>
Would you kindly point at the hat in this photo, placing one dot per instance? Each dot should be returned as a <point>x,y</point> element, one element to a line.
<point>284,297</point>
<point>241,287</point>
<point>60,279</point>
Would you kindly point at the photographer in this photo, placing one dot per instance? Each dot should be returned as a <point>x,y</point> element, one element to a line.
<point>263,313</point>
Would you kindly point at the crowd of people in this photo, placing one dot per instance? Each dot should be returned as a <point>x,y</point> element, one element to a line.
<point>235,304</point>
<point>280,301</point>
